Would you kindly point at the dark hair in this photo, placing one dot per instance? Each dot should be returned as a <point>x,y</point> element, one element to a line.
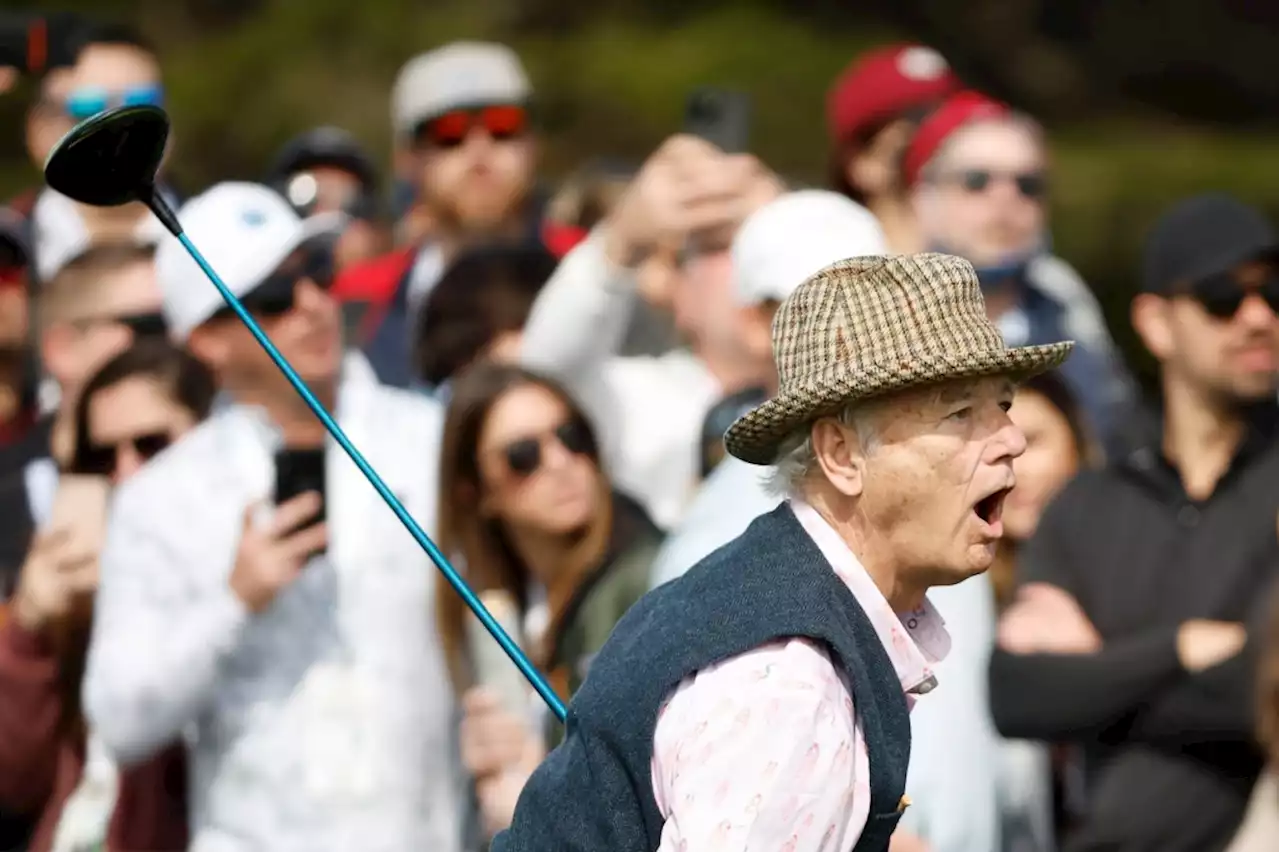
<point>490,563</point>
<point>1053,389</point>
<point>184,378</point>
<point>1058,393</point>
<point>487,291</point>
<point>84,274</point>
<point>847,149</point>
<point>114,33</point>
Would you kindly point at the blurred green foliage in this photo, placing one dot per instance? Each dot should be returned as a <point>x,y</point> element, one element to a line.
<point>245,75</point>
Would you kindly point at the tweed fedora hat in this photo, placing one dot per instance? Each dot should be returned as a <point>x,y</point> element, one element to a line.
<point>868,326</point>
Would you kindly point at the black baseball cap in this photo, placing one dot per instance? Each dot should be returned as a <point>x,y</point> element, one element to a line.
<point>324,146</point>
<point>1201,237</point>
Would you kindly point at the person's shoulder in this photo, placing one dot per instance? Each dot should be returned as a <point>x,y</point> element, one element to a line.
<point>410,409</point>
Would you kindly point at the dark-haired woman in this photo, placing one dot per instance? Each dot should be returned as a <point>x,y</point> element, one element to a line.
<point>51,766</point>
<point>478,309</point>
<point>528,510</point>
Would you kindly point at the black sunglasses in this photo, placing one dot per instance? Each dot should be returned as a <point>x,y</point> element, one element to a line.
<point>1222,295</point>
<point>274,296</point>
<point>1033,185</point>
<point>101,459</point>
<point>142,325</point>
<point>524,456</point>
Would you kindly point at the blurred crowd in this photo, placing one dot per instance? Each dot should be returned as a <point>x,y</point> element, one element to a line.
<point>216,637</point>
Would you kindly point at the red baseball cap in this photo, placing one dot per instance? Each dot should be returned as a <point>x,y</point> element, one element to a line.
<point>957,111</point>
<point>883,84</point>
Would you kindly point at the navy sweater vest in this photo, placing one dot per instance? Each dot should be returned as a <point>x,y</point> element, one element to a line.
<point>594,793</point>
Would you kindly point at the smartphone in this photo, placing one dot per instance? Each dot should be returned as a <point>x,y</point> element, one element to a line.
<point>720,116</point>
<point>80,508</point>
<point>297,472</point>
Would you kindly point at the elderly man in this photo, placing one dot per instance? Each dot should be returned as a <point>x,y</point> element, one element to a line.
<point>760,701</point>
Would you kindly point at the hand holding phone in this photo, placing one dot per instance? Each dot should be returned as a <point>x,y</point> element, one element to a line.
<point>299,471</point>
<point>60,574</point>
<point>270,556</point>
<point>80,510</point>
<point>720,116</point>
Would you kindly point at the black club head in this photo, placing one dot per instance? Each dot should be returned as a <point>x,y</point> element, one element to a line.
<point>111,158</point>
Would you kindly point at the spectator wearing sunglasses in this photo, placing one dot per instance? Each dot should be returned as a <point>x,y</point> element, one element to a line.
<point>1127,633</point>
<point>978,176</point>
<point>278,615</point>
<point>95,307</point>
<point>135,405</point>
<point>462,116</point>
<point>529,512</point>
<point>325,170</point>
<point>115,66</point>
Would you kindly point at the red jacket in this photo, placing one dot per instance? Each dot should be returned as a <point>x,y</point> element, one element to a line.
<point>374,282</point>
<point>40,764</point>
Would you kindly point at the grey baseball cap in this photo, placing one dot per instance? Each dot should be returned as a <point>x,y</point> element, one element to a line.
<point>461,74</point>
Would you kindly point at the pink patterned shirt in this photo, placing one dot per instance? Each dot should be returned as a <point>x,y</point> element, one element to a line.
<point>764,751</point>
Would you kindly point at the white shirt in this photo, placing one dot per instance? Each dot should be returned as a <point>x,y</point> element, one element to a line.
<point>765,751</point>
<point>324,722</point>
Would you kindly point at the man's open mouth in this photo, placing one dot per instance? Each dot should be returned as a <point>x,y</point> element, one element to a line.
<point>989,508</point>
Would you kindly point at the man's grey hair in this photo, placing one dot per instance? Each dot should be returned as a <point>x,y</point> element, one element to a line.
<point>797,461</point>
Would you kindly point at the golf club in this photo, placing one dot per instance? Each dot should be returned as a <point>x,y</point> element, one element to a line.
<point>112,159</point>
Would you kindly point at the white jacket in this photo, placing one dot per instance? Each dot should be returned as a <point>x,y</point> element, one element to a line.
<point>325,722</point>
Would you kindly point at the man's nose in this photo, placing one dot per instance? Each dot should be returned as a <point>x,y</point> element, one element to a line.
<point>308,295</point>
<point>1255,312</point>
<point>128,462</point>
<point>1008,442</point>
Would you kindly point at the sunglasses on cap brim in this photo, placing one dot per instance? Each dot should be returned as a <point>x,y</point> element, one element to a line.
<point>450,129</point>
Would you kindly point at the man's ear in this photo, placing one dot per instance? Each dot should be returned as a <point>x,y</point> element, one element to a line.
<point>208,346</point>
<point>1150,317</point>
<point>840,455</point>
<point>57,350</point>
<point>868,174</point>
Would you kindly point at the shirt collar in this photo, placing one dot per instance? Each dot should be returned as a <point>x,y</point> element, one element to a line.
<point>914,641</point>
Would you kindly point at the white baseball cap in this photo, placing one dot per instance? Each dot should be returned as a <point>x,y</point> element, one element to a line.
<point>245,231</point>
<point>794,236</point>
<point>461,74</point>
<point>61,235</point>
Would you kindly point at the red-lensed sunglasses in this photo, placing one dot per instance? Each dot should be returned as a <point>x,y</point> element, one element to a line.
<point>500,121</point>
